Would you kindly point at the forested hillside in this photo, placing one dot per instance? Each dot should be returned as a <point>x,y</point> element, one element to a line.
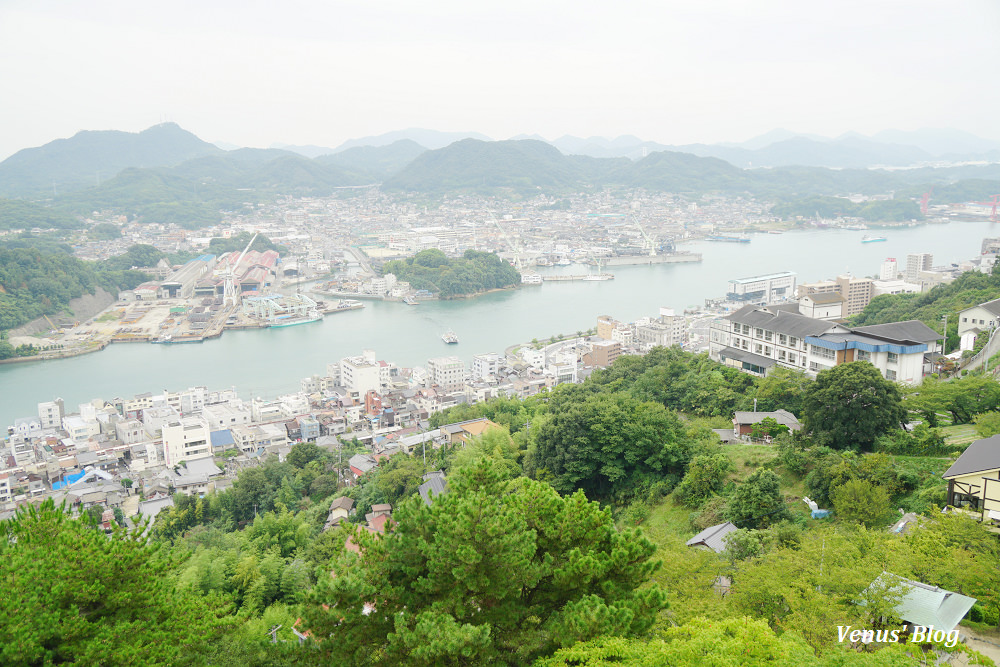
<point>90,157</point>
<point>35,283</point>
<point>471,273</point>
<point>17,214</point>
<point>559,540</point>
<point>931,307</point>
<point>892,210</point>
<point>168,175</point>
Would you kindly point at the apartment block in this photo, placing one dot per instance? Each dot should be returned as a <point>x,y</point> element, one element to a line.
<point>446,372</point>
<point>757,339</point>
<point>186,439</point>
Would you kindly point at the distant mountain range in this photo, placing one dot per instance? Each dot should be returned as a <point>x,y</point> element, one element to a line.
<point>89,157</point>
<point>781,148</point>
<point>167,174</point>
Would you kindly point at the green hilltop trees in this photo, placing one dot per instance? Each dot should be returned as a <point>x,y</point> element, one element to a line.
<point>605,443</point>
<point>495,571</point>
<point>72,595</point>
<point>473,272</point>
<point>849,406</point>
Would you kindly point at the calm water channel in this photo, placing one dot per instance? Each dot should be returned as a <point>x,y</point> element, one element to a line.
<point>272,361</point>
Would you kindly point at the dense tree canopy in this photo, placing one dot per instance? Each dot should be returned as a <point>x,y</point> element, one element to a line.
<point>493,572</point>
<point>73,595</point>
<point>605,443</point>
<point>851,405</point>
<point>473,272</point>
<point>219,245</point>
<point>757,501</point>
<point>35,283</point>
<point>731,642</point>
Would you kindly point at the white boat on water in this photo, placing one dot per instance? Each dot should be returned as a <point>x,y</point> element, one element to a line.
<point>449,337</point>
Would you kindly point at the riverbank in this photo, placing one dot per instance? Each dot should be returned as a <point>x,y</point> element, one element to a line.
<point>272,362</point>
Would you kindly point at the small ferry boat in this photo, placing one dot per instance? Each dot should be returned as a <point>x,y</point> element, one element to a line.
<point>409,300</point>
<point>449,337</point>
<point>295,320</point>
<point>729,239</point>
<point>872,239</point>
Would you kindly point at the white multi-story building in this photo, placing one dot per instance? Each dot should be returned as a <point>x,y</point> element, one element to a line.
<point>262,410</point>
<point>822,306</point>
<point>897,286</point>
<point>133,407</point>
<point>225,415</point>
<point>448,373</point>
<point>155,418</point>
<point>189,401</point>
<point>889,269</point>
<point>485,366</point>
<point>971,321</point>
<point>757,339</point>
<point>131,431</point>
<point>915,263</point>
<point>623,334</point>
<point>762,289</point>
<point>79,429</point>
<point>293,405</point>
<point>360,375</point>
<point>50,413</point>
<point>667,330</point>
<point>186,439</point>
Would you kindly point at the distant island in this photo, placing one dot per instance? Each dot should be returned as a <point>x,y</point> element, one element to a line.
<point>472,273</point>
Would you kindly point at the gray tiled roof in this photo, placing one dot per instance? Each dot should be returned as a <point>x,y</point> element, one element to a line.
<point>434,486</point>
<point>825,297</point>
<point>342,503</point>
<point>911,330</point>
<point>992,306</point>
<point>781,321</point>
<point>781,416</point>
<point>981,455</point>
<point>712,537</point>
<point>749,357</point>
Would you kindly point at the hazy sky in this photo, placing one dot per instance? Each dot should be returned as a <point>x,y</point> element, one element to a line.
<point>253,73</point>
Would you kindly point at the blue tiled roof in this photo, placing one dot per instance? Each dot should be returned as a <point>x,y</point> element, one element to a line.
<point>222,438</point>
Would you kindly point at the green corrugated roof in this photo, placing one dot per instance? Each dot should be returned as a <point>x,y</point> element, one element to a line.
<point>926,605</point>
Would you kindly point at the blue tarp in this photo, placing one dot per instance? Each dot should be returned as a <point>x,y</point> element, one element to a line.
<point>69,479</point>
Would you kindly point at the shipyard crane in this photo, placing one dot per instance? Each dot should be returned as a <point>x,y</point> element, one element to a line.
<point>230,293</point>
<point>510,242</point>
<point>924,200</point>
<point>994,202</point>
<point>650,243</point>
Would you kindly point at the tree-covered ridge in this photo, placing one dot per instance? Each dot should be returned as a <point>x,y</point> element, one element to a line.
<point>892,210</point>
<point>471,273</point>
<point>89,157</point>
<point>35,283</point>
<point>194,194</point>
<point>491,166</point>
<point>17,214</point>
<point>219,246</point>
<point>969,289</point>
